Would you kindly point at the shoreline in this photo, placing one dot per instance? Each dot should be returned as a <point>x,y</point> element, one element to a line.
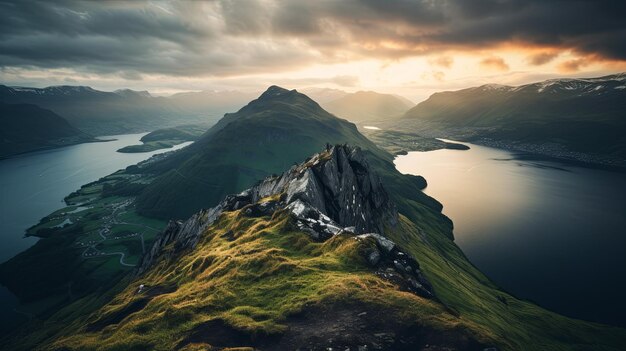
<point>530,152</point>
<point>54,147</point>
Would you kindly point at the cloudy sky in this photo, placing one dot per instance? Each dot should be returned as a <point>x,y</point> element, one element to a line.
<point>412,48</point>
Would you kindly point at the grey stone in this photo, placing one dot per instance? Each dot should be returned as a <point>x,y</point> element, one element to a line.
<point>373,258</point>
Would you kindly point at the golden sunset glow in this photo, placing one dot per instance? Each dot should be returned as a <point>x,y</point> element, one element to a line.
<point>412,48</point>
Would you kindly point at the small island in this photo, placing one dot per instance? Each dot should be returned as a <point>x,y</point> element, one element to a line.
<point>166,138</point>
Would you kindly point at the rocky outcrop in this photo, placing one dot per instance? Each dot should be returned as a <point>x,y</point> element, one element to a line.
<point>337,183</point>
<point>181,234</point>
<point>395,265</point>
<point>331,193</point>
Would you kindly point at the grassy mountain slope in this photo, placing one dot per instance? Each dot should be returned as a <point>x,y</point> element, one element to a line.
<point>366,106</point>
<point>582,115</point>
<point>223,161</point>
<point>259,281</point>
<point>265,137</point>
<point>25,128</point>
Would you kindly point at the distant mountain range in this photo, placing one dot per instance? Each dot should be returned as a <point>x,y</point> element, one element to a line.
<point>368,106</point>
<point>323,95</point>
<point>124,111</point>
<point>264,137</point>
<point>25,128</point>
<point>571,115</point>
<point>579,119</point>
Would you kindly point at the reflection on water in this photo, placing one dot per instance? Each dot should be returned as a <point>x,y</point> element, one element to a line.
<point>544,231</point>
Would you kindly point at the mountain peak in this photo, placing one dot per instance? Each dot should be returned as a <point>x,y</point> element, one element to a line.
<point>275,91</point>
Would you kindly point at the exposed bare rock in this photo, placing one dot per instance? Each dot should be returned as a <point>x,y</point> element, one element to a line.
<point>331,193</point>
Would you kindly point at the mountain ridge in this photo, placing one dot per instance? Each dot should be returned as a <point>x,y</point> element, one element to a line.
<point>118,112</point>
<point>26,128</point>
<point>281,127</point>
<point>568,118</point>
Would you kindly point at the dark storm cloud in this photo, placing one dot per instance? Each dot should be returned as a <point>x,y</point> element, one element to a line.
<point>586,26</point>
<point>236,37</point>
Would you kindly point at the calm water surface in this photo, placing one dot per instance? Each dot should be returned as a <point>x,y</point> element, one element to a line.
<point>544,231</point>
<point>34,185</point>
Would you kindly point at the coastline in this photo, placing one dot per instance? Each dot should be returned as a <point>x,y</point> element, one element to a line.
<point>54,147</point>
<point>542,152</point>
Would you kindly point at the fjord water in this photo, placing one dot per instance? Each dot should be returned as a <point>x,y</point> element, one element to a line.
<point>548,232</point>
<point>34,184</point>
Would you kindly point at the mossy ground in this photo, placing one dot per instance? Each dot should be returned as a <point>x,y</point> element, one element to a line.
<point>252,274</point>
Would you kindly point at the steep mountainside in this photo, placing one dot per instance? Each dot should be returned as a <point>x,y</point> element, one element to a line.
<point>579,115</point>
<point>316,258</point>
<point>265,137</point>
<point>367,106</point>
<point>25,128</point>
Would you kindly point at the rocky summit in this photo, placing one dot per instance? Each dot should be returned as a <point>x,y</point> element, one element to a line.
<point>333,192</point>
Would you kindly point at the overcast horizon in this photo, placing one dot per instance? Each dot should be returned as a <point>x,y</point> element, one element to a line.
<point>409,48</point>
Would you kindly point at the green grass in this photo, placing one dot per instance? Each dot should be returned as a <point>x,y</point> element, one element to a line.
<point>516,324</point>
<point>271,271</point>
<point>254,284</point>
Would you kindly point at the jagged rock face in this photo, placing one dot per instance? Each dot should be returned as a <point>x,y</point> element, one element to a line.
<point>183,234</point>
<point>396,265</point>
<point>333,192</point>
<point>340,184</point>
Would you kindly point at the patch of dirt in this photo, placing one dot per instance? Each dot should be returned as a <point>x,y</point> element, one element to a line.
<point>217,334</point>
<point>345,326</point>
<point>361,327</point>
